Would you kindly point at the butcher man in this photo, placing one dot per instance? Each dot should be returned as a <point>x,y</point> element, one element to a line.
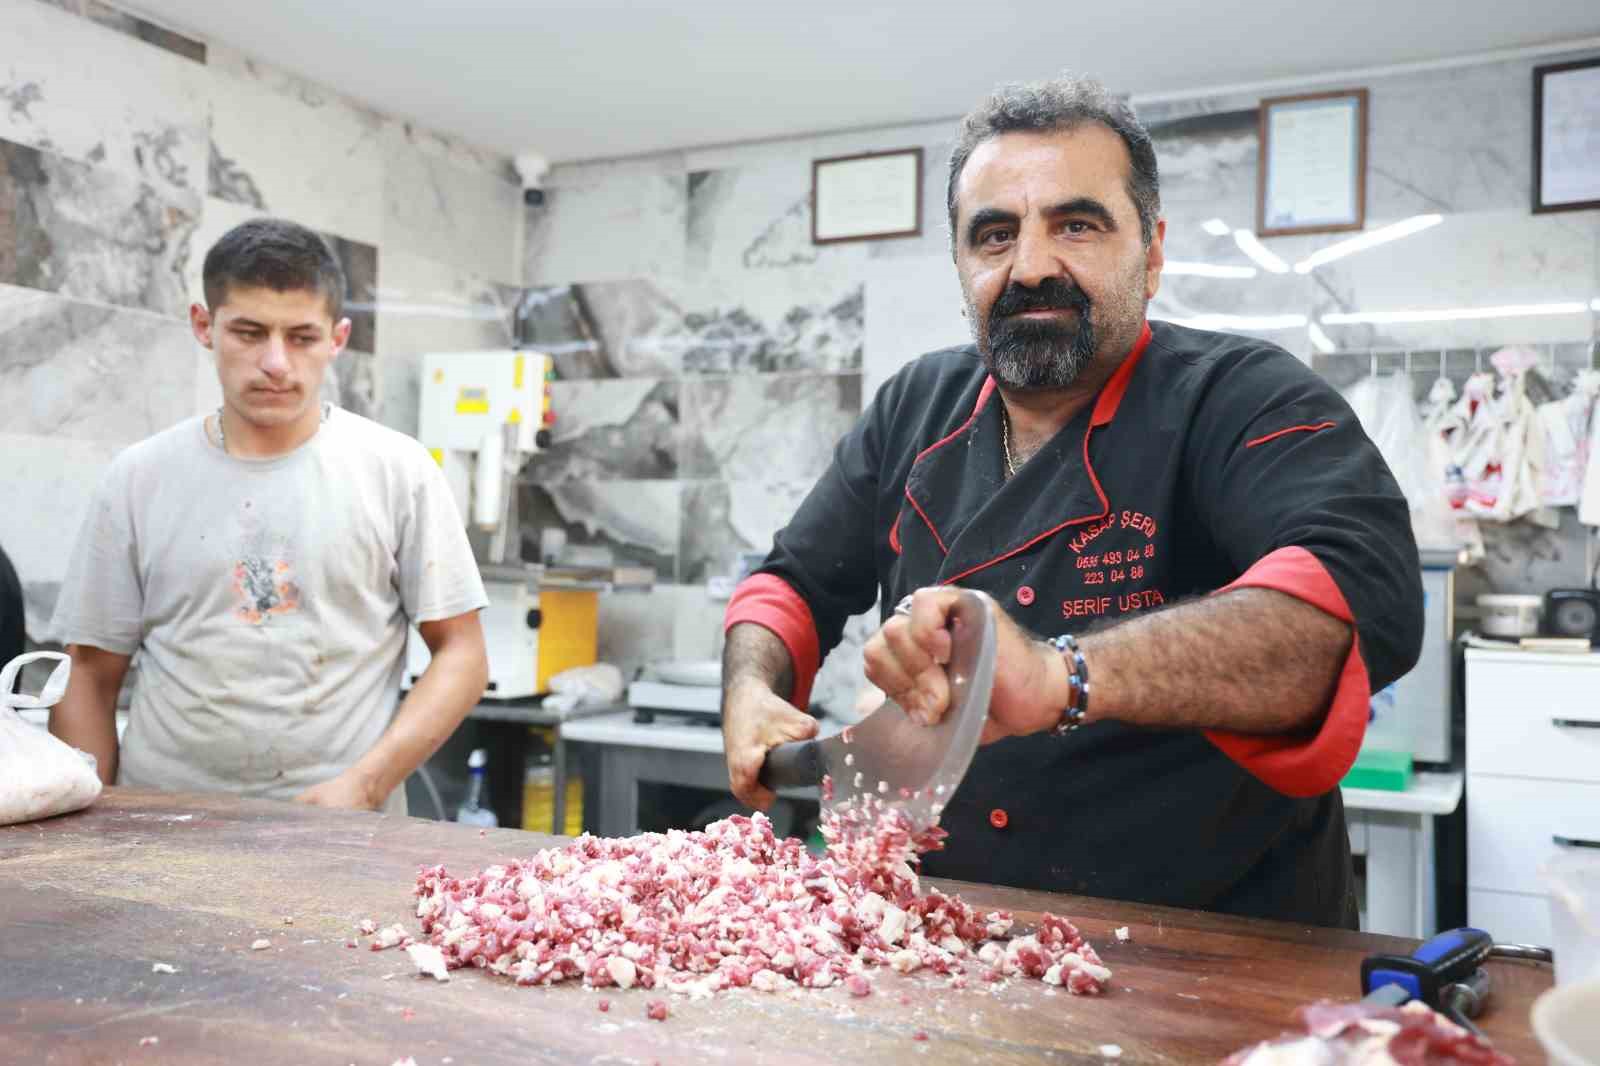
<point>266,561</point>
<point>1200,564</point>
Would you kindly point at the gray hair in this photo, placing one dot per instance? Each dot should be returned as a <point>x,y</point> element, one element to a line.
<point>1059,105</point>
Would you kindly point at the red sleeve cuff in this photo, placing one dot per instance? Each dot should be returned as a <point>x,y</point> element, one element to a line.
<point>1306,765</point>
<point>770,601</point>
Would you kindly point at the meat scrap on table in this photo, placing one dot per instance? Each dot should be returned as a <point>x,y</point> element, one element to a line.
<point>734,907</point>
<point>1334,1034</point>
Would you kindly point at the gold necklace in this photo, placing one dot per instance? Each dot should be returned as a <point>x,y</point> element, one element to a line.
<point>1005,440</point>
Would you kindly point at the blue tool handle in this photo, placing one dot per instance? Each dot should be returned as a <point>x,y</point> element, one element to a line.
<point>1442,960</point>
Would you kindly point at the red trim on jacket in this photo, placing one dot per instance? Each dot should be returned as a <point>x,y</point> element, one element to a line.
<point>1306,765</point>
<point>1319,427</point>
<point>1110,398</point>
<point>894,536</point>
<point>1105,409</point>
<point>771,602</point>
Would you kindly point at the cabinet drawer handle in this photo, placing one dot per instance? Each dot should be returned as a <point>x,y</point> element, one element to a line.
<point>1574,842</point>
<point>1577,723</point>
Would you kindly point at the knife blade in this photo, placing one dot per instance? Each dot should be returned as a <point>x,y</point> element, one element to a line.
<point>911,766</point>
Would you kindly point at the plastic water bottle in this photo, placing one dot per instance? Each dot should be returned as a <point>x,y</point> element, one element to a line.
<point>473,811</point>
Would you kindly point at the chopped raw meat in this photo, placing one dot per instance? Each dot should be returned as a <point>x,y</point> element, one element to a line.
<point>367,927</point>
<point>149,1041</point>
<point>351,944</point>
<point>1336,1034</point>
<point>389,936</point>
<point>656,1010</point>
<point>163,967</point>
<point>287,920</point>
<point>260,945</point>
<point>732,906</point>
<point>857,985</point>
<point>919,1035</point>
<point>604,1005</point>
<point>407,1061</point>
<point>428,960</point>
<point>1111,1051</point>
<point>1121,933</point>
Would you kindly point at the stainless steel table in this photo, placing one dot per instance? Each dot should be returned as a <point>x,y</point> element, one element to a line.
<point>669,750</point>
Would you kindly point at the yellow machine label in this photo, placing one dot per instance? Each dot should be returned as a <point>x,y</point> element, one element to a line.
<point>471,401</point>
<point>569,633</point>
<point>438,455</point>
<point>516,371</point>
<point>516,416</point>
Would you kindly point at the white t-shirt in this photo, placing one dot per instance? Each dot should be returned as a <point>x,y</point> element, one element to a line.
<point>269,598</point>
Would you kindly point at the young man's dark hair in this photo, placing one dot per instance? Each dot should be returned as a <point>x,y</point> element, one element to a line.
<point>275,254</point>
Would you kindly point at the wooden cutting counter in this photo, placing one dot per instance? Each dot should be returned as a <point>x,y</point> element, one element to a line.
<point>90,901</point>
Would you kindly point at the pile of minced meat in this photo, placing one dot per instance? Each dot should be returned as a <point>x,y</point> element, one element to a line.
<point>735,907</point>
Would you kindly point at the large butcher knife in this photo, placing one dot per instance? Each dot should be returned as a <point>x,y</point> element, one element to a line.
<point>912,766</point>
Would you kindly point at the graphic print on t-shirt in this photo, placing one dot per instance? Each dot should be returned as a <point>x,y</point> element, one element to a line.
<point>265,587</point>
<point>264,580</point>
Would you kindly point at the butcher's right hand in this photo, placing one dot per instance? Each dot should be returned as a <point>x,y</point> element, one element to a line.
<point>754,721</point>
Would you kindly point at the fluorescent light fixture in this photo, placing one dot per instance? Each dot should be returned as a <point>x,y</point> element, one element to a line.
<point>1259,254</point>
<point>1450,314</point>
<point>1216,227</point>
<point>1207,270</point>
<point>1415,224</point>
<point>1594,305</point>
<point>1253,322</point>
<point>1320,340</point>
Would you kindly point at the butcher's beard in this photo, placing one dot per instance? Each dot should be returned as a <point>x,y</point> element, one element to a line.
<point>1038,355</point>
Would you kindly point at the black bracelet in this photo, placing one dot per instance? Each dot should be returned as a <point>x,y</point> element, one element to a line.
<point>1073,714</point>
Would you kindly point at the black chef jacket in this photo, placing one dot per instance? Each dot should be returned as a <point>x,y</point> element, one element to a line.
<point>1207,460</point>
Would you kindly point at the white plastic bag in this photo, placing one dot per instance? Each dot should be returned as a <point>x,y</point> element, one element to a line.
<point>595,685</point>
<point>39,775</point>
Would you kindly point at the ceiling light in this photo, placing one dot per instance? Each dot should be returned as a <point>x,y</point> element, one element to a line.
<point>1449,314</point>
<point>1406,228</point>
<point>1206,270</point>
<point>1216,227</point>
<point>1594,305</point>
<point>1256,322</point>
<point>1258,252</point>
<point>1321,341</point>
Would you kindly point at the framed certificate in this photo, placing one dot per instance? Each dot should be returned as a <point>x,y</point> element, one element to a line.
<point>1566,136</point>
<point>1312,173</point>
<point>866,197</point>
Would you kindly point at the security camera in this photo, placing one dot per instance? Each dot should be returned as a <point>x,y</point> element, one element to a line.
<point>531,168</point>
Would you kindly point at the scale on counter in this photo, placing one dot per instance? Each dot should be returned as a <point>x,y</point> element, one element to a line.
<point>688,688</point>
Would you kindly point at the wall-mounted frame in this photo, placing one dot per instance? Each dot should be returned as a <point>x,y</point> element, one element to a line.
<point>1311,176</point>
<point>866,197</point>
<point>1566,136</point>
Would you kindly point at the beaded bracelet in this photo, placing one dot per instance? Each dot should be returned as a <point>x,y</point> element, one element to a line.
<point>1073,714</point>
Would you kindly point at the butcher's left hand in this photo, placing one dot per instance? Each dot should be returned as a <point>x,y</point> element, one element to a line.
<point>349,791</point>
<point>906,659</point>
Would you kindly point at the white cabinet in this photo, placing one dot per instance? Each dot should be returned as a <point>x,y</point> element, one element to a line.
<point>1533,781</point>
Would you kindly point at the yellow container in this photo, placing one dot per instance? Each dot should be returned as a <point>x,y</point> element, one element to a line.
<point>539,806</point>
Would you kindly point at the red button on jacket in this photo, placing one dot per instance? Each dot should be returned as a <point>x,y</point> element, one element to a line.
<point>998,818</point>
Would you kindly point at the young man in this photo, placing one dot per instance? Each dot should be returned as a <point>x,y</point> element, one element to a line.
<point>1201,511</point>
<point>266,562</point>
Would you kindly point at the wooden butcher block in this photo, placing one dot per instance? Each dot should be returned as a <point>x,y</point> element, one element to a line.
<point>90,902</point>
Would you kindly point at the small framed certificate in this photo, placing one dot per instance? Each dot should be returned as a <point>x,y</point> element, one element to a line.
<point>1312,173</point>
<point>1566,136</point>
<point>866,197</point>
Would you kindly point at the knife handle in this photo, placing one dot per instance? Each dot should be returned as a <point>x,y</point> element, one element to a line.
<point>792,765</point>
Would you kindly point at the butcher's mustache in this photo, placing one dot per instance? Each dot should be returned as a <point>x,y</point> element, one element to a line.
<point>1051,294</point>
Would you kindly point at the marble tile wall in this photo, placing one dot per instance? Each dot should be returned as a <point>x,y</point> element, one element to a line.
<point>734,351</point>
<point>126,150</point>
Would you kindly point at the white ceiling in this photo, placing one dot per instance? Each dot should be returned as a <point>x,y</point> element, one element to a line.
<point>587,79</point>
